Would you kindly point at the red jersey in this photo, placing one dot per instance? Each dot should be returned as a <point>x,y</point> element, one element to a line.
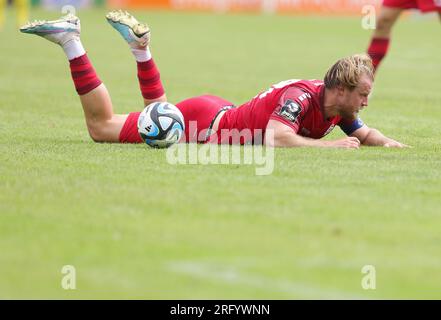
<point>296,103</point>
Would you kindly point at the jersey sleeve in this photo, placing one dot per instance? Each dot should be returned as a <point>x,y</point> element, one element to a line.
<point>349,126</point>
<point>291,108</point>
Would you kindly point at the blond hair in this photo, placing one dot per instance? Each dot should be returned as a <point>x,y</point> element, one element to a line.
<point>348,71</point>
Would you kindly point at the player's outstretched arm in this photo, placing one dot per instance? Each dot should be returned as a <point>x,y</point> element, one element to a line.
<point>373,137</point>
<point>278,134</point>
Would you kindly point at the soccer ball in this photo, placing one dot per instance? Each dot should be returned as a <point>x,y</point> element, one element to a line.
<point>161,124</point>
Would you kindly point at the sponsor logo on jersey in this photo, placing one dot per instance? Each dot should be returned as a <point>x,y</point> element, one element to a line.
<point>290,110</point>
<point>304,96</point>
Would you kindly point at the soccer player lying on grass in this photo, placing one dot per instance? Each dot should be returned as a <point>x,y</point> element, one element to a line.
<point>390,11</point>
<point>295,112</point>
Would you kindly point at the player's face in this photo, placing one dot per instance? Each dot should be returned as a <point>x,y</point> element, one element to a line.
<point>353,101</point>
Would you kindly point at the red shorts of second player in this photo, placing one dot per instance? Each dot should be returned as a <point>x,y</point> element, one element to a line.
<point>200,111</point>
<point>422,5</point>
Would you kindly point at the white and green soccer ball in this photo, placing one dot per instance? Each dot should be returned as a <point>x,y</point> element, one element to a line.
<point>161,124</point>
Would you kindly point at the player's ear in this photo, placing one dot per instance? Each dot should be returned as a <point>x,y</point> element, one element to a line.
<point>340,89</point>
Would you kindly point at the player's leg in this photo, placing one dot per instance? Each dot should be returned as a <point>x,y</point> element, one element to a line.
<point>137,35</point>
<point>381,38</point>
<point>198,112</point>
<point>102,123</point>
<point>386,20</point>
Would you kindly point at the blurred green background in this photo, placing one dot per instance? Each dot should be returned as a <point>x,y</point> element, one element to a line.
<point>136,227</point>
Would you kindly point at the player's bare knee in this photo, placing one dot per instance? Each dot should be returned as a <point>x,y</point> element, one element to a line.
<point>386,21</point>
<point>97,131</point>
<point>384,26</point>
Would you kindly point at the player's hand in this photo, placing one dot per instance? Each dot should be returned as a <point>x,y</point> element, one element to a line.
<point>348,142</point>
<point>395,144</point>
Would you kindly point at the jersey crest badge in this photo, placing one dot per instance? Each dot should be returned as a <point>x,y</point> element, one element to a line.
<point>290,110</point>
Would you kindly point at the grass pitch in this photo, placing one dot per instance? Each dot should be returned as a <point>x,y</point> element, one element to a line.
<point>134,226</point>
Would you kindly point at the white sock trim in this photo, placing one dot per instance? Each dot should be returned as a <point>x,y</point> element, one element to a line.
<point>73,49</point>
<point>141,55</point>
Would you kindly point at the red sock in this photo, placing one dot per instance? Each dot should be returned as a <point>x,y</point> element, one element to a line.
<point>83,75</point>
<point>378,49</point>
<point>149,80</point>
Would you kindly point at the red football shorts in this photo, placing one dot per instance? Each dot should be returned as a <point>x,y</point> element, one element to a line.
<point>422,5</point>
<point>198,110</point>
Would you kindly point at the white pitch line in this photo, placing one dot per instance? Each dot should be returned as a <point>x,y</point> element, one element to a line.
<point>230,275</point>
